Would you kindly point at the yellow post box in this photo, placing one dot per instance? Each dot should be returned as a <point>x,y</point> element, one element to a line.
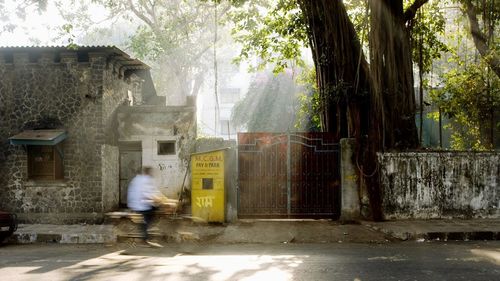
<point>208,193</point>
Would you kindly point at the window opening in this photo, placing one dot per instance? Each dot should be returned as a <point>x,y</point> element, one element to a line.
<point>166,147</point>
<point>44,163</point>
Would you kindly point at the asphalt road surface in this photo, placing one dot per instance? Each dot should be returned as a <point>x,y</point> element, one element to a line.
<point>360,262</point>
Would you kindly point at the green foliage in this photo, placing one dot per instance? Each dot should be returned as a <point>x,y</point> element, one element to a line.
<point>487,9</point>
<point>470,91</point>
<point>146,44</point>
<point>470,97</point>
<point>309,103</point>
<point>358,12</point>
<point>427,33</point>
<point>178,25</point>
<point>273,31</point>
<point>68,29</point>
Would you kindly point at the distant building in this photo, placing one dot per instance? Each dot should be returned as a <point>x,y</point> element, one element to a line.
<point>214,119</point>
<point>66,121</point>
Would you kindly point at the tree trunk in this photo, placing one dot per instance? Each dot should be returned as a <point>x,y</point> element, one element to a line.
<point>392,100</point>
<point>344,87</point>
<point>481,39</point>
<point>358,100</point>
<point>392,73</point>
<point>341,69</point>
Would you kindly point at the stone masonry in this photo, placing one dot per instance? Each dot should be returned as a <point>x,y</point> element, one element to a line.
<point>75,90</point>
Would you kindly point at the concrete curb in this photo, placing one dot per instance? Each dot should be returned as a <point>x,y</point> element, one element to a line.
<point>463,236</point>
<point>173,231</point>
<point>416,234</point>
<point>83,238</point>
<point>64,234</point>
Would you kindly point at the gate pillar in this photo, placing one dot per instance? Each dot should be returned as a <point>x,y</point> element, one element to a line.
<point>350,207</point>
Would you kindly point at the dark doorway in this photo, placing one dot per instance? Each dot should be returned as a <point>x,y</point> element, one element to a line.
<point>130,165</point>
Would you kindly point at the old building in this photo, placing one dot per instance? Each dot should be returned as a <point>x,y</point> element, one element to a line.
<point>60,132</point>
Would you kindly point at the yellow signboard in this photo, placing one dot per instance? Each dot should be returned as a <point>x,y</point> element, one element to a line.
<point>208,192</point>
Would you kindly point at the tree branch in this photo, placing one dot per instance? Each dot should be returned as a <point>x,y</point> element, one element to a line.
<point>141,16</point>
<point>150,9</point>
<point>481,40</point>
<point>410,13</point>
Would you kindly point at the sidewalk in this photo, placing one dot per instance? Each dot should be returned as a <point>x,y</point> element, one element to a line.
<point>265,231</point>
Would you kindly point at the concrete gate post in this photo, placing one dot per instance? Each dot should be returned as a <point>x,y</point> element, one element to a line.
<point>350,207</point>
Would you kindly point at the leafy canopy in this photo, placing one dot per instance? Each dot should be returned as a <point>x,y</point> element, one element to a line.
<point>273,31</point>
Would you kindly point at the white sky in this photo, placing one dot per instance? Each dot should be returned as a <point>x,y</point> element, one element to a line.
<point>38,28</point>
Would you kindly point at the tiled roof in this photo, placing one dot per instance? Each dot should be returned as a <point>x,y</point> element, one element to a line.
<point>58,46</point>
<point>113,51</point>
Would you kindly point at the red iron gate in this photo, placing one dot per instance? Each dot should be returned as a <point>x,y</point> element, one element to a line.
<point>288,175</point>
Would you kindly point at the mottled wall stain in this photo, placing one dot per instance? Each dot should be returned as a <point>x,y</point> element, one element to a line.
<point>441,184</point>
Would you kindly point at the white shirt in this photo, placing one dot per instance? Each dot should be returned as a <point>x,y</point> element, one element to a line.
<point>141,191</point>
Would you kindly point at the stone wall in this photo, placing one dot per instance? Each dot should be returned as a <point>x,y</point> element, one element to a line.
<point>440,185</point>
<point>78,96</point>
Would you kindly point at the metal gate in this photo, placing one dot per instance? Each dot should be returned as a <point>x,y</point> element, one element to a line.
<point>288,175</point>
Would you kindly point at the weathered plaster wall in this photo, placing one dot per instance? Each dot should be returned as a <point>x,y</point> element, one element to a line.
<point>350,203</point>
<point>56,94</point>
<point>150,124</point>
<point>440,185</point>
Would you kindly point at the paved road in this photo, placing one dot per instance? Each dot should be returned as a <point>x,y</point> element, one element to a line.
<point>394,261</point>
